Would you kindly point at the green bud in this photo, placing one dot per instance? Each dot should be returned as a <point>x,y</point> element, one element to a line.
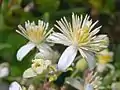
<point>81,64</point>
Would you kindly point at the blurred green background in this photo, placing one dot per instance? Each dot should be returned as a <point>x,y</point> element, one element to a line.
<point>15,12</point>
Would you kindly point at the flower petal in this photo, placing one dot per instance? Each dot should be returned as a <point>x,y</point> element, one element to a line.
<point>24,50</point>
<point>95,31</point>
<point>46,52</point>
<point>99,43</point>
<point>89,56</point>
<point>29,73</point>
<point>59,38</point>
<point>15,86</point>
<point>67,58</point>
<point>4,71</point>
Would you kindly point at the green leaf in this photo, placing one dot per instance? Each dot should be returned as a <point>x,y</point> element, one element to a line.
<point>47,5</point>
<point>4,45</point>
<point>15,71</point>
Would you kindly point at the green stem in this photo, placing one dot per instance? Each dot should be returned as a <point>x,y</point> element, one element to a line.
<point>74,73</point>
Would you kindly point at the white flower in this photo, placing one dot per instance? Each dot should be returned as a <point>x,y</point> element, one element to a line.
<point>80,35</point>
<point>36,34</point>
<point>104,56</point>
<point>4,70</point>
<point>90,81</point>
<point>15,86</point>
<point>38,66</point>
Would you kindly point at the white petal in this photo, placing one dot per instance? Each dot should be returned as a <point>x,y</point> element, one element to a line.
<point>89,56</point>
<point>40,70</point>
<point>44,47</point>
<point>67,58</point>
<point>24,50</point>
<point>15,86</point>
<point>101,37</point>
<point>89,87</point>
<point>59,38</point>
<point>4,71</point>
<point>45,52</point>
<point>29,73</point>
<point>93,25</point>
<point>95,31</point>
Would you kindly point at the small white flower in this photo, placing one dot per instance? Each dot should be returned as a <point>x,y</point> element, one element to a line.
<point>15,86</point>
<point>38,66</point>
<point>36,34</point>
<point>4,70</point>
<point>105,56</point>
<point>80,35</point>
<point>90,82</point>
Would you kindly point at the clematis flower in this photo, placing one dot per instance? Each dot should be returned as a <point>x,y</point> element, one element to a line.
<point>91,81</point>
<point>38,66</point>
<point>80,35</point>
<point>36,34</point>
<point>104,57</point>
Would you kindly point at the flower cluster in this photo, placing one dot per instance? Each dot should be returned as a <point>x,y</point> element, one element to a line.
<point>79,35</point>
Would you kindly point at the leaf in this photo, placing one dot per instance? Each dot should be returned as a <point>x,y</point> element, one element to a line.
<point>4,45</point>
<point>47,5</point>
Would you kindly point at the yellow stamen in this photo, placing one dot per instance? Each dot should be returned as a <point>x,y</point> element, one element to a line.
<point>35,36</point>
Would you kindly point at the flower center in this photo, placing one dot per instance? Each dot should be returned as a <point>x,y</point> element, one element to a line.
<point>36,36</point>
<point>104,58</point>
<point>81,37</point>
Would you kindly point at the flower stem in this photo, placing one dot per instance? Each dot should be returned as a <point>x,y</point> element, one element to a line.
<point>74,73</point>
